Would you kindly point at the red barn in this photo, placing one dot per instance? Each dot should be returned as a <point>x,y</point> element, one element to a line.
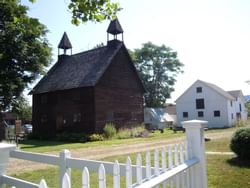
<point>84,91</point>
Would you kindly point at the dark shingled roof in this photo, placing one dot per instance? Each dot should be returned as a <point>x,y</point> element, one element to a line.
<point>65,42</point>
<point>78,70</point>
<point>115,27</point>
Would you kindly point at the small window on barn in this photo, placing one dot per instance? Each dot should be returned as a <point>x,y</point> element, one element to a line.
<point>200,114</point>
<point>44,118</point>
<point>44,99</point>
<point>200,104</point>
<point>231,103</point>
<point>77,117</point>
<point>110,116</point>
<point>199,90</point>
<point>216,113</point>
<point>185,114</point>
<point>232,116</point>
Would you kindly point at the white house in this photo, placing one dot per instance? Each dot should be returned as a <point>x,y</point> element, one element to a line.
<point>157,118</point>
<point>206,101</point>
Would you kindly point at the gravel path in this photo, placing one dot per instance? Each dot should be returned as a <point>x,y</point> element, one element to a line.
<point>17,166</point>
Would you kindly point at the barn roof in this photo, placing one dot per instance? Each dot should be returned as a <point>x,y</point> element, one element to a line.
<point>78,70</point>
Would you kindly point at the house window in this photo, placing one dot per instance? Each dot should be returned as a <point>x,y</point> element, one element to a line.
<point>216,113</point>
<point>200,114</point>
<point>185,114</point>
<point>200,104</point>
<point>76,117</point>
<point>240,107</point>
<point>231,102</point>
<point>199,90</point>
<point>232,116</point>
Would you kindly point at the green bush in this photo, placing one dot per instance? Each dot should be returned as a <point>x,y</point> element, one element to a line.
<point>138,131</point>
<point>124,133</point>
<point>240,143</point>
<point>109,130</point>
<point>96,137</point>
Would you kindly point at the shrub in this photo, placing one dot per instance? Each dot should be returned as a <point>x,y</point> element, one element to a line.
<point>109,130</point>
<point>124,133</point>
<point>96,137</point>
<point>138,131</point>
<point>240,143</point>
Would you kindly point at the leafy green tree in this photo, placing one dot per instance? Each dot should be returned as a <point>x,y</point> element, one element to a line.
<point>91,10</point>
<point>247,105</point>
<point>22,109</point>
<point>24,50</point>
<point>158,67</point>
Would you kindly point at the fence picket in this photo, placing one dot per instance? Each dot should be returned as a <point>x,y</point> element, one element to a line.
<point>176,163</point>
<point>85,178</point>
<point>43,184</point>
<point>128,173</point>
<point>139,169</point>
<point>182,175</point>
<point>102,176</point>
<point>148,165</point>
<point>164,165</point>
<point>163,159</point>
<point>156,162</point>
<point>66,181</point>
<point>170,163</point>
<point>116,175</point>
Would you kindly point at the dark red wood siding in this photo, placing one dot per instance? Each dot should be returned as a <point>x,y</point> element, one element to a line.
<point>64,111</point>
<point>119,95</point>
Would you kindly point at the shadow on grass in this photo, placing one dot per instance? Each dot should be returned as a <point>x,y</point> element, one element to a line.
<point>39,143</point>
<point>239,162</point>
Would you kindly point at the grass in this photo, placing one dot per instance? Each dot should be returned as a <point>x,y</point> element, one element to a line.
<point>48,146</point>
<point>218,145</point>
<point>223,170</point>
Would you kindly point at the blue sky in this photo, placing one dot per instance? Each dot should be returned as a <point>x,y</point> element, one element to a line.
<point>212,37</point>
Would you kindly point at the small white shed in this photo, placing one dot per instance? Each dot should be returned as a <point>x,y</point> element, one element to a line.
<point>157,118</point>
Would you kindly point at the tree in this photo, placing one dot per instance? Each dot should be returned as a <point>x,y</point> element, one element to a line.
<point>22,109</point>
<point>91,10</point>
<point>24,50</point>
<point>158,67</point>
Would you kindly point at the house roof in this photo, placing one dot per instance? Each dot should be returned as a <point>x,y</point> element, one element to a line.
<point>213,87</point>
<point>218,90</point>
<point>235,93</point>
<point>78,70</point>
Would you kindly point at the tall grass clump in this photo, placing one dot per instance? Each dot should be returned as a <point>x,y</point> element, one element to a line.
<point>109,130</point>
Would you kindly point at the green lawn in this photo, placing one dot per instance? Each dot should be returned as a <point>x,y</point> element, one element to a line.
<point>48,146</point>
<point>223,170</point>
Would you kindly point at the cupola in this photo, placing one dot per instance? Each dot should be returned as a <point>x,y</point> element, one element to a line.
<point>114,29</point>
<point>65,44</point>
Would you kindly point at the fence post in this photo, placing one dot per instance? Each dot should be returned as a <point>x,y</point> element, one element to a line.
<point>196,148</point>
<point>4,158</point>
<point>63,165</point>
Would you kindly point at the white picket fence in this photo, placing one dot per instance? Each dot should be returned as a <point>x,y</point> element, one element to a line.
<point>181,165</point>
